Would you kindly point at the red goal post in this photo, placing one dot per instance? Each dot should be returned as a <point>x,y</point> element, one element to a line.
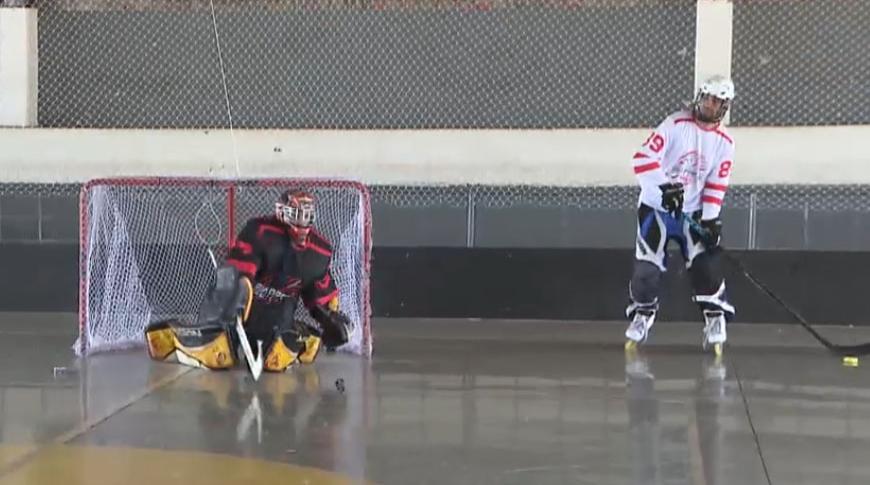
<point>146,246</point>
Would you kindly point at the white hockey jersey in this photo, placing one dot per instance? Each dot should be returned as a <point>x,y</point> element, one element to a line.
<point>679,150</point>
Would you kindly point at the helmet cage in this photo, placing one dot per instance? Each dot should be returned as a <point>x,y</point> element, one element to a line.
<point>298,211</point>
<point>720,88</point>
<point>720,113</point>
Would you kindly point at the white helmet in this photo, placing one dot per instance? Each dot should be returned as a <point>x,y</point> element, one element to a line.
<point>719,87</point>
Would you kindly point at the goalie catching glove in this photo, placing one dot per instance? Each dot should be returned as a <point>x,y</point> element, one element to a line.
<point>334,326</point>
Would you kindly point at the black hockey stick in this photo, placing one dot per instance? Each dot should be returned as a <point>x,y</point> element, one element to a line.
<point>841,350</point>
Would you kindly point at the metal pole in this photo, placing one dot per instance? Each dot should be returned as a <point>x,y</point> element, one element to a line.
<point>806,224</point>
<point>470,218</point>
<point>752,221</point>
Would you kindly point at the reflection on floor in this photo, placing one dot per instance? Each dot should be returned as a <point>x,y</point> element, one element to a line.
<point>443,402</point>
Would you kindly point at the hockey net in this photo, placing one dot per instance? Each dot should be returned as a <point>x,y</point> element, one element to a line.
<point>147,246</point>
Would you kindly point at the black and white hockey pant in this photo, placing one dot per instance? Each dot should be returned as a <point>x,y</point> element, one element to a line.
<point>655,229</point>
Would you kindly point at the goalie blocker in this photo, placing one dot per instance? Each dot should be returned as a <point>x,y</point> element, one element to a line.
<point>275,261</point>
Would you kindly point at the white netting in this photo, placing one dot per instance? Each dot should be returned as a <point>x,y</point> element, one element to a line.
<point>145,250</point>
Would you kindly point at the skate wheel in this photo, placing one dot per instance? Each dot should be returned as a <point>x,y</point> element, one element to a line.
<point>630,345</point>
<point>717,349</point>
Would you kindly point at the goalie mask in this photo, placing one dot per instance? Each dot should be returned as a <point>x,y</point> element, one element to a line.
<point>713,99</point>
<point>296,209</point>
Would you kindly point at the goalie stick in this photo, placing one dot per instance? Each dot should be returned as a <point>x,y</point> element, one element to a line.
<point>840,350</point>
<point>254,365</point>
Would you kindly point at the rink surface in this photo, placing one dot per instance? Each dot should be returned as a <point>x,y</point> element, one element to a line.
<point>471,402</point>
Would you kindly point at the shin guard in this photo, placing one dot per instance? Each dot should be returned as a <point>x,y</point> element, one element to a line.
<point>197,346</point>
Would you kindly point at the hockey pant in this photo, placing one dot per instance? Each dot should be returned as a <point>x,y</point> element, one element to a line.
<point>655,229</point>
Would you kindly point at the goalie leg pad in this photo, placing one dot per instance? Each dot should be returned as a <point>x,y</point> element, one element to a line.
<point>160,340</point>
<point>198,346</point>
<point>312,349</point>
<point>283,352</point>
<point>215,355</point>
<point>298,344</point>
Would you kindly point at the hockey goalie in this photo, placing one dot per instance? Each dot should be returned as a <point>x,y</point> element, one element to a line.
<point>276,262</point>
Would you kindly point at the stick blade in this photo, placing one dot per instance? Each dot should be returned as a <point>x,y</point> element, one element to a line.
<point>851,350</point>
<point>254,365</point>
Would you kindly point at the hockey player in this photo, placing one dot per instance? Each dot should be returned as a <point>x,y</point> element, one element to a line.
<point>275,261</point>
<point>683,169</point>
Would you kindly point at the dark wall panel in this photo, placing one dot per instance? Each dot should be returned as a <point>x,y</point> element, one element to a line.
<point>780,229</point>
<point>592,284</point>
<point>59,218</point>
<point>513,283</point>
<point>19,218</point>
<point>735,233</point>
<point>838,230</point>
<point>39,277</point>
<point>438,225</point>
<point>553,227</point>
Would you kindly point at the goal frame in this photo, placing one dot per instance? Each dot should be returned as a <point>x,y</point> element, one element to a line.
<point>230,185</point>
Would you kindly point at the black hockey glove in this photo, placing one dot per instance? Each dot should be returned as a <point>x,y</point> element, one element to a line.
<point>713,232</point>
<point>334,326</point>
<point>672,198</point>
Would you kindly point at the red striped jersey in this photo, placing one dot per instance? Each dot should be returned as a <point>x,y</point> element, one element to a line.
<point>680,150</point>
<point>280,269</point>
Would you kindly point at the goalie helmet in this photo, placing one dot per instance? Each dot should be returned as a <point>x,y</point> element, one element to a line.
<point>296,209</point>
<point>718,87</point>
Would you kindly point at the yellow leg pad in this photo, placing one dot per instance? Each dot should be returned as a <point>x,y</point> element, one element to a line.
<point>279,357</point>
<point>160,341</point>
<point>312,347</point>
<point>215,354</point>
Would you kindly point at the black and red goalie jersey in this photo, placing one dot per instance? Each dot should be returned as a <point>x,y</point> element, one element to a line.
<point>286,259</point>
<point>283,266</point>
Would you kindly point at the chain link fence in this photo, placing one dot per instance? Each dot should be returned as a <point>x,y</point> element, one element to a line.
<point>437,64</point>
<point>837,198</point>
<point>49,212</point>
<point>801,62</point>
<point>363,64</point>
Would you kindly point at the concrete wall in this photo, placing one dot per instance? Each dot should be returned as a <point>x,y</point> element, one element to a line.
<point>568,158</point>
